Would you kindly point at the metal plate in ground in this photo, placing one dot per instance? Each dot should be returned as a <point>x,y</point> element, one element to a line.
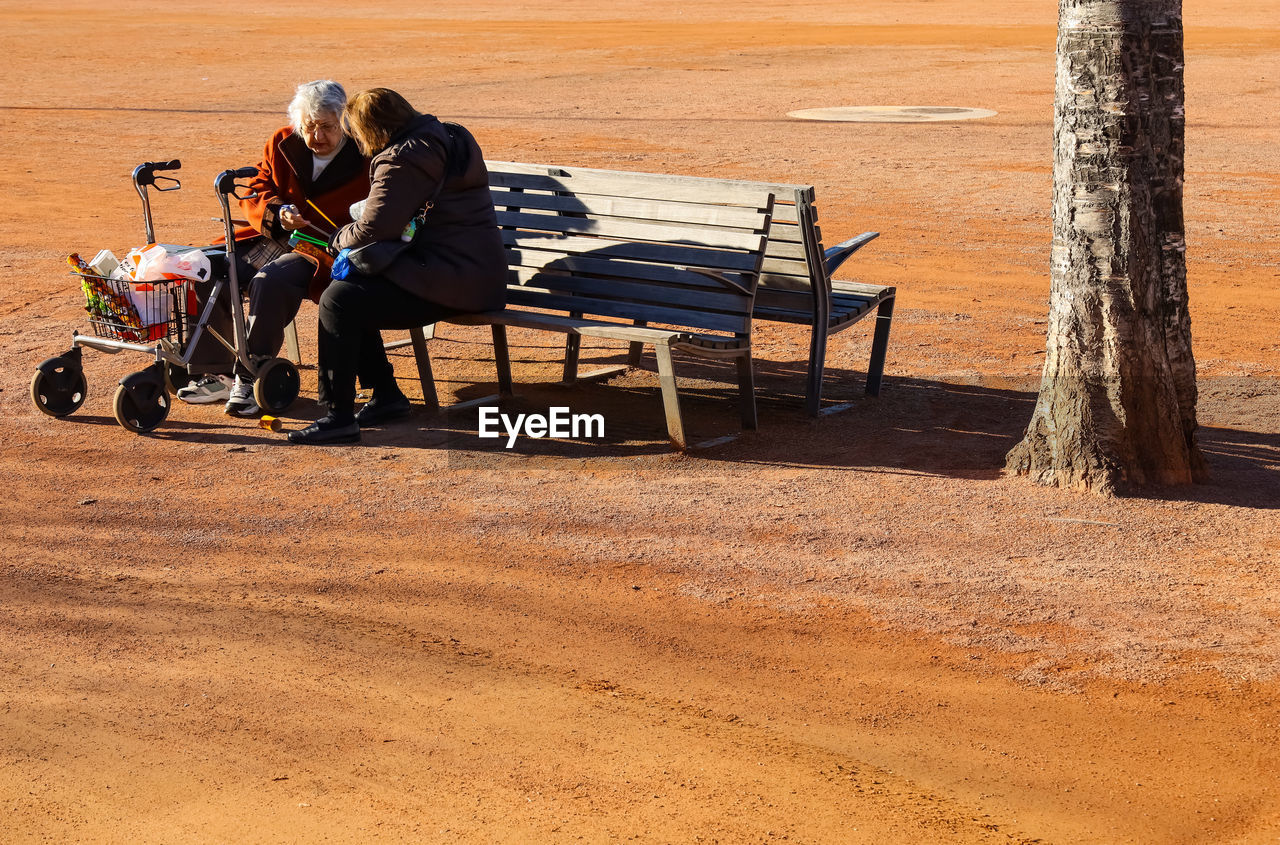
<point>892,114</point>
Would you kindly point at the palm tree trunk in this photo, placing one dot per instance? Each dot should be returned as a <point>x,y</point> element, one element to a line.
<point>1117,401</point>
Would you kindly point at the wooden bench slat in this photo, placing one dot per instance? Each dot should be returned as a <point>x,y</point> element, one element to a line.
<point>785,315</point>
<point>785,269</point>
<point>787,300</point>
<point>598,328</point>
<point>779,252</point>
<point>706,320</point>
<point>653,210</point>
<point>631,250</point>
<point>605,267</point>
<point>793,306</point>
<point>880,291</point>
<point>714,238</point>
<point>785,233</point>
<point>718,299</point>
<point>620,183</point>
<point>785,215</point>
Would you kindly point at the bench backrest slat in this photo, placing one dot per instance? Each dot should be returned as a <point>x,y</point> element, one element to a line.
<point>611,288</point>
<point>673,313</point>
<point>617,183</point>
<point>625,208</point>
<point>609,227</point>
<point>587,265</point>
<point>688,256</point>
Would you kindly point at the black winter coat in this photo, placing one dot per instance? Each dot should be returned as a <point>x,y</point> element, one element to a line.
<point>457,259</point>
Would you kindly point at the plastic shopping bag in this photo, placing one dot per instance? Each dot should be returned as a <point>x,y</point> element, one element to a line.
<point>154,263</point>
<point>152,302</point>
<point>341,266</point>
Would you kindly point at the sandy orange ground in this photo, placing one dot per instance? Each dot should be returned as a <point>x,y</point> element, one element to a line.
<point>850,630</point>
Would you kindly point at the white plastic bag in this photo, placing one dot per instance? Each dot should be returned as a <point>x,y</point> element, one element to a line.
<point>153,302</point>
<point>154,263</point>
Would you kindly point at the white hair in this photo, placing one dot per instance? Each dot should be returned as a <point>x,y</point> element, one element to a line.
<point>323,96</point>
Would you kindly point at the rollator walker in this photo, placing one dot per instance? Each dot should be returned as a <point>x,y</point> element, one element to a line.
<point>173,325</point>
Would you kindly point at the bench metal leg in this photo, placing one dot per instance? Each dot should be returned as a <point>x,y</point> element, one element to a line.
<point>417,338</point>
<point>291,342</point>
<point>879,347</point>
<point>502,357</point>
<point>747,391</point>
<point>817,366</point>
<point>670,397</point>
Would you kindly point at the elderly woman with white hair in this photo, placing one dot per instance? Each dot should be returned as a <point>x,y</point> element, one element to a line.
<point>310,174</point>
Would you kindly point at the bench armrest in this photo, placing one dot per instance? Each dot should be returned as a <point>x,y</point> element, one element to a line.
<point>834,256</point>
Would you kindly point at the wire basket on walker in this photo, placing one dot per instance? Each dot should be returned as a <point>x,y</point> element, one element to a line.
<point>139,312</point>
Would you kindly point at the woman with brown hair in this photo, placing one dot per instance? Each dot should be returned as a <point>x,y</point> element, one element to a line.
<point>435,172</point>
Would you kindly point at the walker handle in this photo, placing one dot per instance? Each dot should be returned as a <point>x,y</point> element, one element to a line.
<point>145,173</point>
<point>226,181</point>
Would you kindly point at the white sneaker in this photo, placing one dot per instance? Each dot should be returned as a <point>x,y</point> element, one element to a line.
<point>241,402</point>
<point>206,390</point>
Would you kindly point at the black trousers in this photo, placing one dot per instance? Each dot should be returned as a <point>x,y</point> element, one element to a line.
<point>275,294</point>
<point>352,314</point>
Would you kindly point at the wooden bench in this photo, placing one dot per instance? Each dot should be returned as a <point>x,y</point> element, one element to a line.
<point>677,259</point>
<point>796,279</point>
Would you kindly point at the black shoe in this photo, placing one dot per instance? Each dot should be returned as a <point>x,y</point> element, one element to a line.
<point>327,430</point>
<point>379,410</point>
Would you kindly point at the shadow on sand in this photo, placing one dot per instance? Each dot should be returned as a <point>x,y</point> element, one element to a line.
<point>951,429</point>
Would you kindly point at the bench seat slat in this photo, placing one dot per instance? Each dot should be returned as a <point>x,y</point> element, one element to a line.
<point>879,291</point>
<point>598,328</point>
<point>798,307</point>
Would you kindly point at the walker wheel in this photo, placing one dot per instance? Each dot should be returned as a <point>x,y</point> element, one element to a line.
<point>277,385</point>
<point>58,386</point>
<point>141,402</point>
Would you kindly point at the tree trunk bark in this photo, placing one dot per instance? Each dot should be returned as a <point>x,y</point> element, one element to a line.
<point>1117,401</point>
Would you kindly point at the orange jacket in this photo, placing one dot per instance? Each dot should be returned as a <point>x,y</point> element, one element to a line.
<point>284,178</point>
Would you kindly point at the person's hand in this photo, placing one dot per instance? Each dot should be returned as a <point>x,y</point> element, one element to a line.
<point>291,218</point>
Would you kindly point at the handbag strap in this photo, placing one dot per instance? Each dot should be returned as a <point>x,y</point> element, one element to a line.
<point>453,130</point>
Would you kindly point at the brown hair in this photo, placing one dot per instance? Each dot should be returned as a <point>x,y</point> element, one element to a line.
<point>372,117</point>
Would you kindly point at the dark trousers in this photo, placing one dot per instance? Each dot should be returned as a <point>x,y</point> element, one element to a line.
<point>275,294</point>
<point>352,313</point>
